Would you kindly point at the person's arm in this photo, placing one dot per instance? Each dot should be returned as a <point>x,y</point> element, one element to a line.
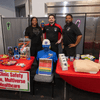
<point>41,32</point>
<point>62,45</point>
<point>26,33</point>
<point>60,30</point>
<point>79,36</point>
<point>77,41</point>
<point>59,41</point>
<point>43,36</point>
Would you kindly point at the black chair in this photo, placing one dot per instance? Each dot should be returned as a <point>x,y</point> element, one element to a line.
<point>44,79</point>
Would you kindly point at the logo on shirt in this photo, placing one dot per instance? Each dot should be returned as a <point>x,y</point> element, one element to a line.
<point>55,29</point>
<point>36,31</point>
<point>50,54</point>
<point>68,28</point>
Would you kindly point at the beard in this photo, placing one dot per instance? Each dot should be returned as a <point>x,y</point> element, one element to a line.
<point>68,22</point>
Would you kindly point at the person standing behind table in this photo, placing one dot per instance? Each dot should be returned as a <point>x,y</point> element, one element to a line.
<point>53,31</point>
<point>34,32</point>
<point>71,36</point>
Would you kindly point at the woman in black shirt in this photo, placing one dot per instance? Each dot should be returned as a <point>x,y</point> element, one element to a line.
<point>34,32</point>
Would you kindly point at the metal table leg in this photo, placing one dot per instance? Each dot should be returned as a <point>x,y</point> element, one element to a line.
<point>64,90</point>
<point>19,94</point>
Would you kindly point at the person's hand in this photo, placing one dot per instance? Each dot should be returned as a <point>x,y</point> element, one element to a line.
<point>59,41</point>
<point>72,45</point>
<point>62,46</point>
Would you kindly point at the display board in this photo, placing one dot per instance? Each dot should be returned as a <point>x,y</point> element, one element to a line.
<point>45,66</point>
<point>15,80</point>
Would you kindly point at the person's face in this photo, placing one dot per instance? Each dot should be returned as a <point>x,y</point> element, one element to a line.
<point>51,19</point>
<point>68,19</point>
<point>34,22</point>
<point>46,48</point>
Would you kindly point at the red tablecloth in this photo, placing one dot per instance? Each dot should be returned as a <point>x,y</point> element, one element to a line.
<point>28,64</point>
<point>84,81</point>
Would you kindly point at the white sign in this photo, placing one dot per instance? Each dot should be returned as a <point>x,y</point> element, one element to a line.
<point>15,80</point>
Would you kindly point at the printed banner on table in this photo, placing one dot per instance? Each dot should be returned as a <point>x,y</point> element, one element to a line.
<point>15,80</point>
<point>45,66</point>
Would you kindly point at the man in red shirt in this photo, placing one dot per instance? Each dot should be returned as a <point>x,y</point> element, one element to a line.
<point>53,31</point>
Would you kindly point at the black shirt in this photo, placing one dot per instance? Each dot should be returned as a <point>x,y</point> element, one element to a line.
<point>70,32</point>
<point>34,34</point>
<point>52,32</point>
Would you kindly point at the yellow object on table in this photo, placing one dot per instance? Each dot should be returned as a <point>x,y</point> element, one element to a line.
<point>4,56</point>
